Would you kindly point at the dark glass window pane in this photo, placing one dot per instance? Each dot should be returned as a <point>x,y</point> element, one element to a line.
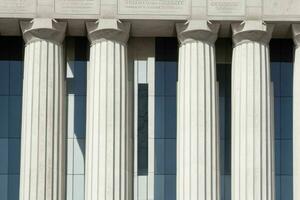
<point>142,129</point>
<point>281,53</point>
<point>223,57</point>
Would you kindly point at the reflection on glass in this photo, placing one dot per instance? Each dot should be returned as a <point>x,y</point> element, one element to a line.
<point>11,79</point>
<point>281,53</point>
<point>77,51</point>
<point>165,118</point>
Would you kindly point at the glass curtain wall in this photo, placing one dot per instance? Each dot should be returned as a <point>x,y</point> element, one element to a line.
<point>11,80</point>
<point>76,59</point>
<point>281,53</point>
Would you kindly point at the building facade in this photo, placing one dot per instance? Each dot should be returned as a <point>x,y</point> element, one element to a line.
<point>149,100</point>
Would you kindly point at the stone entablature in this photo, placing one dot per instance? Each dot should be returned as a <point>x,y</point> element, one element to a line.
<point>152,9</point>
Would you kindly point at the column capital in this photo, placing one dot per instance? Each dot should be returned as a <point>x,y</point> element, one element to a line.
<point>252,30</point>
<point>43,29</point>
<point>296,34</point>
<point>108,29</point>
<point>197,30</point>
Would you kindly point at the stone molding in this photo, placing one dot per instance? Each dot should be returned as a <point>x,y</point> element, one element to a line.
<point>108,29</point>
<point>251,30</point>
<point>43,29</point>
<point>197,30</point>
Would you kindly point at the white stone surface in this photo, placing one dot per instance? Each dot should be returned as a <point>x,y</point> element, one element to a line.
<point>197,123</point>
<point>296,113</point>
<point>226,7</point>
<point>75,7</point>
<point>281,8</point>
<point>154,7</point>
<point>142,54</point>
<point>42,175</point>
<point>109,135</point>
<point>252,113</point>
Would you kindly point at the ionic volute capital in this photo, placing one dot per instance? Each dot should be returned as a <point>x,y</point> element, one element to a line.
<point>43,29</point>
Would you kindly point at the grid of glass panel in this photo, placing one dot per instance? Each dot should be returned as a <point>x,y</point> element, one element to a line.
<point>11,76</point>
<point>281,53</point>
<point>165,118</point>
<point>77,51</point>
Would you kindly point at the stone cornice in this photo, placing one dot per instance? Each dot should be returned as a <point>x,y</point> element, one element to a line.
<point>43,29</point>
<point>108,29</point>
<point>252,30</point>
<point>197,30</point>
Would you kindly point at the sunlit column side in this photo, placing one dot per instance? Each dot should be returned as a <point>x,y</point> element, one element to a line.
<point>296,113</point>
<point>252,110</point>
<point>197,123</point>
<point>42,175</point>
<point>109,135</point>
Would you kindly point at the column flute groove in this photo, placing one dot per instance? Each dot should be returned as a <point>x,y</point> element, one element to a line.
<point>197,132</point>
<point>252,113</point>
<point>42,174</point>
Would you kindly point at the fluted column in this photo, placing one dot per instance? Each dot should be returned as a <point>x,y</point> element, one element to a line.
<point>197,121</point>
<point>109,160</point>
<point>296,113</point>
<point>43,112</point>
<point>252,113</point>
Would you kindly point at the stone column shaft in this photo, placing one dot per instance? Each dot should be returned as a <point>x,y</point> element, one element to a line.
<point>43,112</point>
<point>109,137</point>
<point>252,113</point>
<point>197,126</point>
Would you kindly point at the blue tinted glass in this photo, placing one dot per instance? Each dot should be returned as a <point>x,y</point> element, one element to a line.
<point>286,78</point>
<point>4,116</point>
<point>159,189</point>
<point>14,156</point>
<point>142,129</point>
<point>170,156</point>
<point>223,53</point>
<point>286,188</point>
<point>159,158</point>
<point>286,122</point>
<point>170,187</point>
<point>79,114</point>
<point>13,187</point>
<point>76,85</point>
<point>15,77</point>
<point>281,53</point>
<point>4,77</point>
<point>277,118</point>
<point>15,116</point>
<point>3,186</point>
<point>165,118</point>
<point>170,117</point>
<point>4,156</point>
<point>275,74</point>
<point>11,79</point>
<point>286,155</point>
